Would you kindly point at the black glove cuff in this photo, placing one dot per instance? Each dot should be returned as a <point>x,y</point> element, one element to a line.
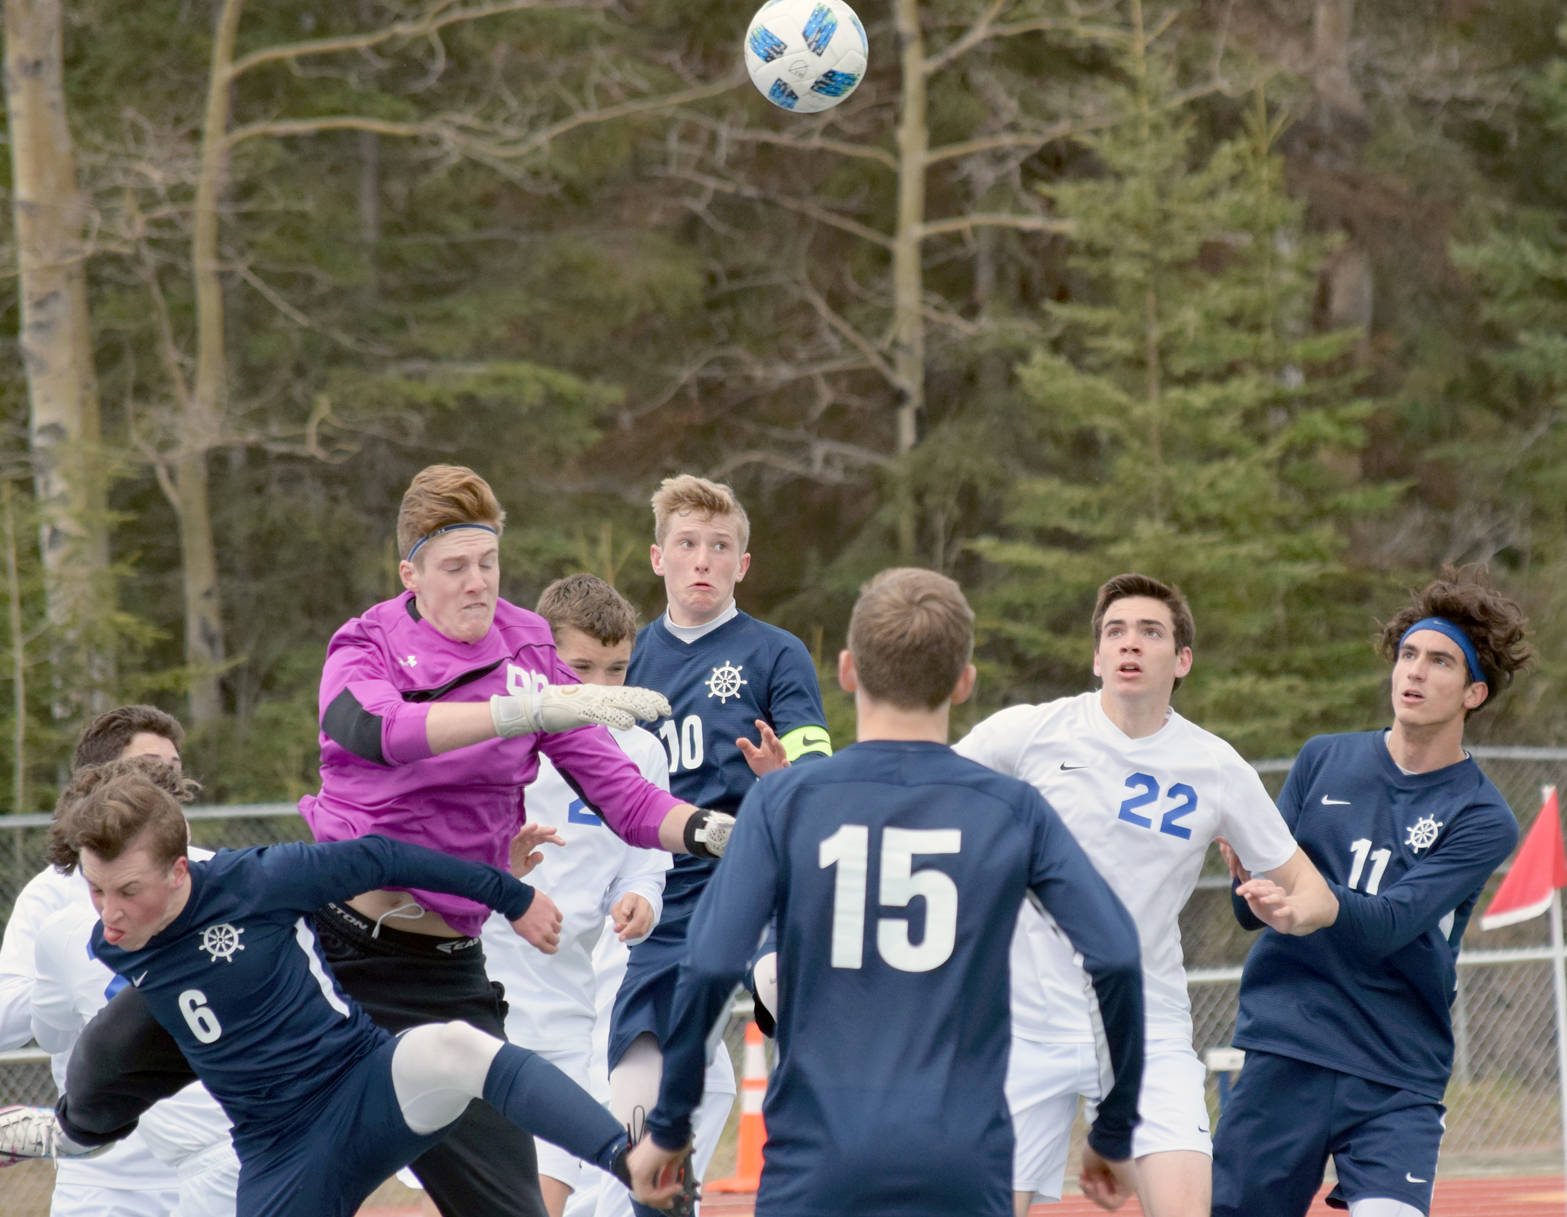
<point>695,835</point>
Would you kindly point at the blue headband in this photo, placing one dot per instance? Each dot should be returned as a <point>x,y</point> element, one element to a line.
<point>1446,628</point>
<point>448,528</point>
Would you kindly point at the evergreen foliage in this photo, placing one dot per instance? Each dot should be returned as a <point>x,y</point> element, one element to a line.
<point>1187,422</point>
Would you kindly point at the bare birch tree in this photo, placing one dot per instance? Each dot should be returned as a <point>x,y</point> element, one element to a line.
<point>69,474</point>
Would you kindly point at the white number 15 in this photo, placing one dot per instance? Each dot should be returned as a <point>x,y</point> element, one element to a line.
<point>849,850</point>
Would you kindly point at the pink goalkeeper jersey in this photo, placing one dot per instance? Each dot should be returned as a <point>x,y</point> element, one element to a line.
<point>383,670</point>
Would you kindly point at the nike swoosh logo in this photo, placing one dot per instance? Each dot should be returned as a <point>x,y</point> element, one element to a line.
<point>1065,768</point>
<point>810,741</point>
<point>136,982</point>
<point>1408,1178</point>
<point>1327,802</point>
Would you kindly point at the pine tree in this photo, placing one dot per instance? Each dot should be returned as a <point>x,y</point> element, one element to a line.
<point>1187,422</point>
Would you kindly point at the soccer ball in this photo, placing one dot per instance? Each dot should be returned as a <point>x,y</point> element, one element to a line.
<point>805,55</point>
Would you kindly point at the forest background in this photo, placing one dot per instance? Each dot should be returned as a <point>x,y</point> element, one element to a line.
<point>1266,297</point>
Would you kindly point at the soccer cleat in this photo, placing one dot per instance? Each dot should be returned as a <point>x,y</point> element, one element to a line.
<point>683,1202</point>
<point>27,1133</point>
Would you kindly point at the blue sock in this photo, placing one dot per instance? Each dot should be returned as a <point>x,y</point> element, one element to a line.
<point>540,1099</point>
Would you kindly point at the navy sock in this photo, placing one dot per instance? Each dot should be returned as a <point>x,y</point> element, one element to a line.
<point>539,1098</point>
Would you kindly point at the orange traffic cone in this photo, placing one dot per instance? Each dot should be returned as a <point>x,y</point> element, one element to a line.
<point>753,1133</point>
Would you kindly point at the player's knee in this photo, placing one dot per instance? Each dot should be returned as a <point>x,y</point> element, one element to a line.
<point>464,1048</point>
<point>437,1069</point>
<point>445,1053</point>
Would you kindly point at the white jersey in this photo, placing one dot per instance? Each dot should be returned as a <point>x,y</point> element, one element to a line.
<point>551,997</point>
<point>45,894</point>
<point>1145,811</point>
<point>70,987</point>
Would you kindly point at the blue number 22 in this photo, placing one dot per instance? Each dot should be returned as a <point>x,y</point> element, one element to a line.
<point>1147,788</point>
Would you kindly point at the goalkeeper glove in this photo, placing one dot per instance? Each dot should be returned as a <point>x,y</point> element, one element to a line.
<point>707,832</point>
<point>566,707</point>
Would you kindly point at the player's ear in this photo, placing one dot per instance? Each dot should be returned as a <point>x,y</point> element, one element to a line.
<point>407,573</point>
<point>848,678</point>
<point>745,565</point>
<point>1183,662</point>
<point>965,686</point>
<point>655,555</point>
<point>1475,694</point>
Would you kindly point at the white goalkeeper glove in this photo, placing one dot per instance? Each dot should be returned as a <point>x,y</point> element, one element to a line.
<point>566,707</point>
<point>707,832</point>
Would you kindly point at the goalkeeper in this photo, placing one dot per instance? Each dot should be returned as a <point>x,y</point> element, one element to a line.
<point>434,709</point>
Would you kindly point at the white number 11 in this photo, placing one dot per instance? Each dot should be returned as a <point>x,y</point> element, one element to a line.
<point>1379,861</point>
<point>849,850</point>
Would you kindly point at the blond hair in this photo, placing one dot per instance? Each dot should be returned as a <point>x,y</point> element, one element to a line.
<point>911,635</point>
<point>443,495</point>
<point>686,494</point>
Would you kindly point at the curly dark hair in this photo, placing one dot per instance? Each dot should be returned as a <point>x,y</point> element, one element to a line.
<point>1495,624</point>
<point>106,807</point>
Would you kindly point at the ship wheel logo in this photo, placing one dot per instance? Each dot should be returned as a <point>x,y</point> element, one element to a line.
<point>221,941</point>
<point>725,682</point>
<point>1422,833</point>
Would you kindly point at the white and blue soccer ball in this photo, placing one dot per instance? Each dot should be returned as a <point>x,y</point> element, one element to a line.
<point>805,55</point>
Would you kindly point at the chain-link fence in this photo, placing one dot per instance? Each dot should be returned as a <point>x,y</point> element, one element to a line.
<point>1504,1111</point>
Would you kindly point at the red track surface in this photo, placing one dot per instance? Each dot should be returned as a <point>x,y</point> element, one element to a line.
<point>1542,1196</point>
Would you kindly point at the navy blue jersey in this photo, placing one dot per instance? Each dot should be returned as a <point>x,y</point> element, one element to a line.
<point>895,870</point>
<point>718,686</point>
<point>239,982</point>
<point>1406,854</point>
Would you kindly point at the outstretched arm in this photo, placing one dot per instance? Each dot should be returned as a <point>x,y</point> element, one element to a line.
<point>1292,899</point>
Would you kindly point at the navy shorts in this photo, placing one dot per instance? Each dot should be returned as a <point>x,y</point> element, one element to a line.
<point>1286,1118</point>
<point>645,1000</point>
<point>336,1156</point>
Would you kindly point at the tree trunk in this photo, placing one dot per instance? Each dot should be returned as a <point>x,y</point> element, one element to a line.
<point>56,345</point>
<point>201,413</point>
<point>1330,74</point>
<point>908,327</point>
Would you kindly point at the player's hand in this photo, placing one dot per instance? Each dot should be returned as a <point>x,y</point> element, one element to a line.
<point>566,707</point>
<point>1271,905</point>
<point>541,924</point>
<point>1232,860</point>
<point>523,856</point>
<point>766,755</point>
<point>1108,1184</point>
<point>632,917</point>
<point>656,1177</point>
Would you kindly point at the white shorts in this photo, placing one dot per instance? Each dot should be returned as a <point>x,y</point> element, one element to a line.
<point>89,1200</point>
<point>208,1181</point>
<point>1044,1084</point>
<point>1172,1105</point>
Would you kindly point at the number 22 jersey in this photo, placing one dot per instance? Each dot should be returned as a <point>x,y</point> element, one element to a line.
<point>1145,811</point>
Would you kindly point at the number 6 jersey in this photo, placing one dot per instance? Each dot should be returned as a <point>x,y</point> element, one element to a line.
<point>1145,811</point>
<point>239,982</point>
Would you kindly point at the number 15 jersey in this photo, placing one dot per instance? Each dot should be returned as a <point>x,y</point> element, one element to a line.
<point>1145,811</point>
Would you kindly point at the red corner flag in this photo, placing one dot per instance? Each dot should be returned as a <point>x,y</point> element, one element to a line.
<point>1538,870</point>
